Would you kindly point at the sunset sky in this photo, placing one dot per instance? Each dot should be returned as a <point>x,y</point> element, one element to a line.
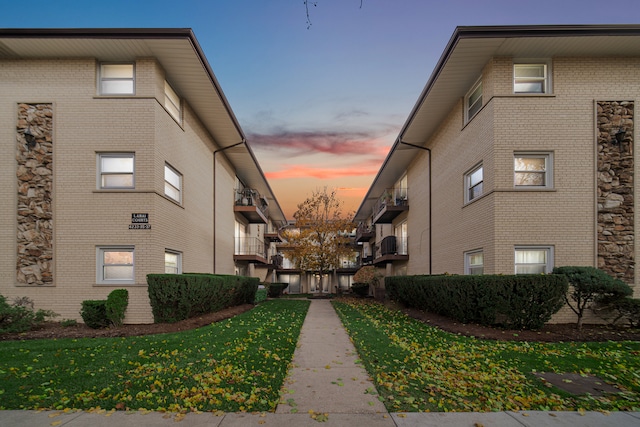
<point>322,104</point>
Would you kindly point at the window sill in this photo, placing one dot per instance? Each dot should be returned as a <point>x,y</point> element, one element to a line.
<point>128,284</point>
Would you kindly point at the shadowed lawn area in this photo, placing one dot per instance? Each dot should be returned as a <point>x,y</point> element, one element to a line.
<point>235,365</point>
<point>417,367</point>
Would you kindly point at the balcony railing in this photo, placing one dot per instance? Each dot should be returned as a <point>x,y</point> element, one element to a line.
<point>364,232</point>
<point>392,248</point>
<point>250,249</point>
<point>251,205</point>
<point>390,204</point>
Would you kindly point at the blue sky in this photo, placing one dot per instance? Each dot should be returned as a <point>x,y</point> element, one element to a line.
<point>320,105</point>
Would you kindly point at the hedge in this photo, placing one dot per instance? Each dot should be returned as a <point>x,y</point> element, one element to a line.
<point>175,297</point>
<point>275,289</point>
<point>94,313</point>
<point>512,301</point>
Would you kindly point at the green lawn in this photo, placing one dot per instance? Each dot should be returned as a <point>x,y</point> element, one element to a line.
<point>416,367</point>
<point>235,365</point>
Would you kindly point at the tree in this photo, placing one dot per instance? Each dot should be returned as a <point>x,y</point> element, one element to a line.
<point>589,285</point>
<point>321,237</point>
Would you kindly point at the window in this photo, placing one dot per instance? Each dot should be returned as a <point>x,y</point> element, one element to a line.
<point>117,79</point>
<point>116,170</point>
<point>532,170</point>
<point>473,183</point>
<point>171,101</point>
<point>115,265</point>
<point>172,262</point>
<point>530,78</point>
<point>533,259</point>
<point>172,183</point>
<point>474,262</point>
<point>402,239</point>
<point>473,101</point>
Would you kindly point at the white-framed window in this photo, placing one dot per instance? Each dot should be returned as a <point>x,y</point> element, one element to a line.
<point>117,79</point>
<point>474,262</point>
<point>473,183</point>
<point>172,183</point>
<point>533,259</point>
<point>171,101</point>
<point>172,262</point>
<point>531,78</point>
<point>473,101</point>
<point>116,170</point>
<point>533,170</point>
<point>115,264</point>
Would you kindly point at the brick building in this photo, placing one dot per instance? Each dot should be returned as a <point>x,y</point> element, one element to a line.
<point>517,157</point>
<point>121,157</point>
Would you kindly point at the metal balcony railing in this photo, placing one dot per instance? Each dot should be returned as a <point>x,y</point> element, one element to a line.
<point>392,245</point>
<point>250,246</point>
<point>391,197</point>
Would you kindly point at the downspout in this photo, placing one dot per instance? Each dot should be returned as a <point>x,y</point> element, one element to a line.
<point>215,152</point>
<point>430,209</point>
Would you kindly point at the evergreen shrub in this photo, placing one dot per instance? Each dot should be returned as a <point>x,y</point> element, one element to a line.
<point>94,313</point>
<point>116,305</point>
<point>510,301</point>
<point>175,297</point>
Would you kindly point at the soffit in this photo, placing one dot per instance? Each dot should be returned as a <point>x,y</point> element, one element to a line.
<point>176,51</point>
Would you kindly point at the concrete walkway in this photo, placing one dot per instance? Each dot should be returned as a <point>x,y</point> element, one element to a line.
<point>326,380</point>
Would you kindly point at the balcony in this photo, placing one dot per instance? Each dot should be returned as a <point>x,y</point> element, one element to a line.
<point>250,249</point>
<point>251,205</point>
<point>364,233</point>
<point>273,236</point>
<point>392,249</point>
<point>392,203</point>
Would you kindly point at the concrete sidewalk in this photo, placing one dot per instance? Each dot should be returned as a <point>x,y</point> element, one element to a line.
<point>327,380</point>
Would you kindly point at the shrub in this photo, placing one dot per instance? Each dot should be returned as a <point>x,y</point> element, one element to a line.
<point>360,289</point>
<point>20,316</point>
<point>116,305</point>
<point>512,301</point>
<point>275,289</point>
<point>368,275</point>
<point>94,313</point>
<point>176,297</point>
<point>629,308</point>
<point>590,285</point>
<point>261,295</point>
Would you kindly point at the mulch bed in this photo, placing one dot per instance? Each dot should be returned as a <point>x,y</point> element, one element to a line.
<point>549,333</point>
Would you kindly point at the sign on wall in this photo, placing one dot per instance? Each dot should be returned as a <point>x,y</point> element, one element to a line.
<point>139,221</point>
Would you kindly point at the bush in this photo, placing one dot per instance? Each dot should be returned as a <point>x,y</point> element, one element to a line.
<point>116,305</point>
<point>615,309</point>
<point>360,289</point>
<point>261,295</point>
<point>20,316</point>
<point>590,285</point>
<point>94,313</point>
<point>275,289</point>
<point>175,297</point>
<point>511,301</point>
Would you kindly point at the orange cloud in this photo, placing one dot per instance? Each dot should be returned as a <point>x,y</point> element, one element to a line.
<point>301,171</point>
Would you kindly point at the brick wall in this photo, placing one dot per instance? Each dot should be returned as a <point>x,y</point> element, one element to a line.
<point>84,217</point>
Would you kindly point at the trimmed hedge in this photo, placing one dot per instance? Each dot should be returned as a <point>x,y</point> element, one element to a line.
<point>275,289</point>
<point>117,303</point>
<point>261,295</point>
<point>513,301</point>
<point>175,297</point>
<point>94,313</point>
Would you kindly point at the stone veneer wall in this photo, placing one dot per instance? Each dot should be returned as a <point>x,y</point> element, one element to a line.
<point>616,233</point>
<point>35,186</point>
